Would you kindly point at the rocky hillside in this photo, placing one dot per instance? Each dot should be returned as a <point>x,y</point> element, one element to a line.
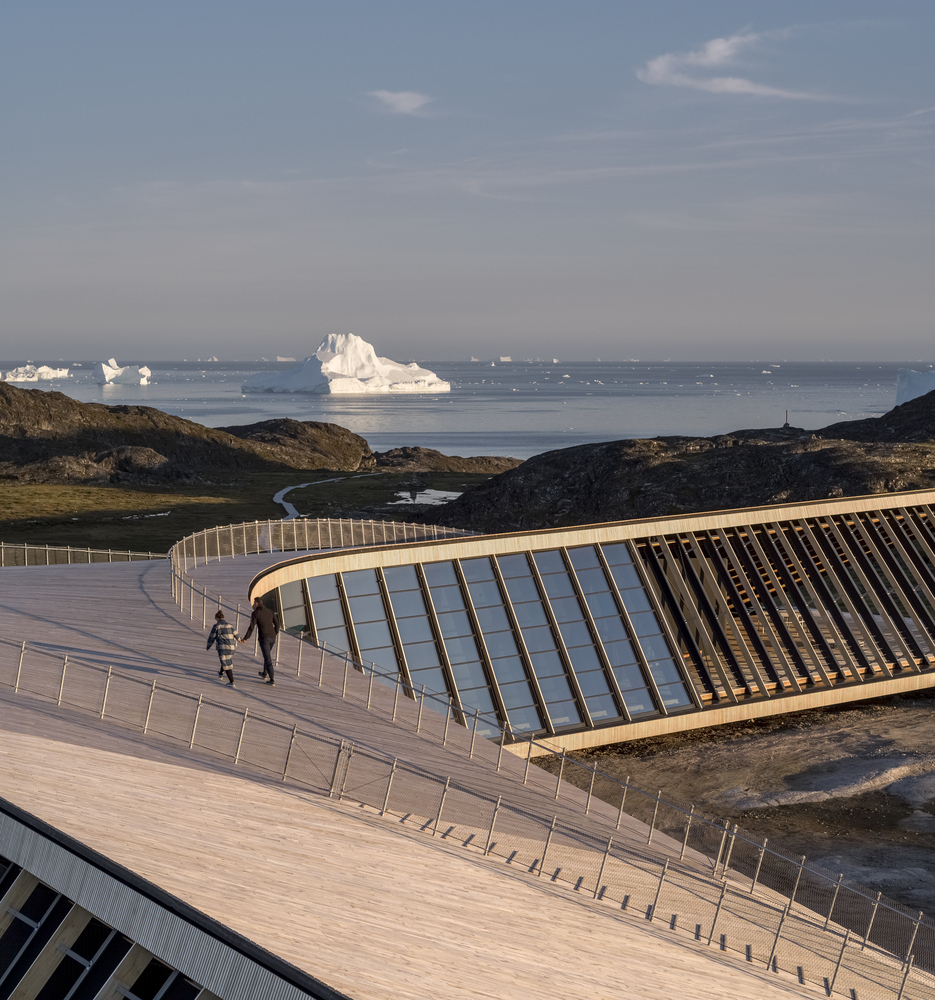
<point>429,460</point>
<point>675,475</point>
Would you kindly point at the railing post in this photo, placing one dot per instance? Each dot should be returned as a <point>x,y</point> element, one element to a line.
<point>191,742</point>
<point>493,820</point>
<point>396,696</point>
<point>61,686</point>
<point>447,720</point>
<point>782,920</point>
<point>149,707</point>
<point>243,726</point>
<point>474,733</point>
<point>834,899</point>
<point>528,755</point>
<point>837,967</point>
<point>500,751</point>
<point>441,805</point>
<point>623,798</point>
<point>730,848</point>
<point>321,666</point>
<point>717,912</point>
<point>662,878</point>
<point>912,940</point>
<point>389,785</point>
<point>548,841</point>
<point>347,663</point>
<point>19,668</point>
<point>373,670</point>
<point>106,689</point>
<point>587,805</point>
<point>759,863</point>
<point>298,662</point>
<point>600,874</point>
<point>204,605</point>
<point>688,823</point>
<point>561,768</point>
<point>652,825</point>
<point>902,985</point>
<point>285,769</point>
<point>798,877</point>
<point>873,914</point>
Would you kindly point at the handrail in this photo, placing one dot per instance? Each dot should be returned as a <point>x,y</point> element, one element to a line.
<point>18,554</point>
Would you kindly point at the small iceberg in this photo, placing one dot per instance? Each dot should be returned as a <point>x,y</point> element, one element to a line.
<point>910,384</point>
<point>347,363</point>
<point>30,373</point>
<point>110,373</point>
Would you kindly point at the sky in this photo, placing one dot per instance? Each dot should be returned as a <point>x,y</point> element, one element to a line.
<point>630,179</point>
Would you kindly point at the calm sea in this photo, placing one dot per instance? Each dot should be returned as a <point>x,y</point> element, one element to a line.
<point>522,408</point>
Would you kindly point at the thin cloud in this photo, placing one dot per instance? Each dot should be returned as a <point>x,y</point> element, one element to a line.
<point>680,69</point>
<point>401,102</point>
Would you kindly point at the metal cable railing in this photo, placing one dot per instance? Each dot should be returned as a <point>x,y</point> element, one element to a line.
<point>744,901</point>
<point>27,554</point>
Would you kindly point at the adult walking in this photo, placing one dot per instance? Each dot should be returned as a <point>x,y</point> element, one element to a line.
<point>224,638</point>
<point>266,622</point>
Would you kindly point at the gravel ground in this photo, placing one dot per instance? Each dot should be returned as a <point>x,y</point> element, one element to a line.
<point>853,788</point>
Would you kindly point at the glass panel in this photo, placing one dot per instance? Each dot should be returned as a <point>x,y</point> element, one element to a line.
<point>509,668</point>
<point>522,588</point>
<point>408,603</point>
<point>421,654</point>
<point>635,600</point>
<point>372,635</point>
<point>500,644</point>
<point>629,676</point>
<point>655,648</point>
<point>554,689</point>
<point>433,679</point>
<point>401,578</point>
<point>602,605</point>
<point>538,639</point>
<point>469,675</point>
<point>546,664</point>
<point>567,609</point>
<point>414,629</point>
<point>664,672</point>
<point>645,623</point>
<point>485,594</point>
<point>516,695</point>
<point>477,569</point>
<point>530,614</point>
<point>447,598</point>
<point>549,562</point>
<point>513,565</point>
<point>293,619</point>
<point>638,702</point>
<point>367,609</point>
<point>524,720</point>
<point>619,653</point>
<point>674,696</point>
<point>336,637</point>
<point>592,682</point>
<point>558,585</point>
<point>616,554</point>
<point>593,581</point>
<point>493,619</point>
<point>480,699</point>
<point>610,629</point>
<point>603,708</point>
<point>583,558</point>
<point>461,650</point>
<point>359,582</point>
<point>626,576</point>
<point>584,658</point>
<point>384,658</point>
<point>440,574</point>
<point>564,714</point>
<point>322,588</point>
<point>291,595</point>
<point>453,623</point>
<point>328,614</point>
<point>576,634</point>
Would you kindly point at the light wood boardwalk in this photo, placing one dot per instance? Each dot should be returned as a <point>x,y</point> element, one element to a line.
<point>364,904</point>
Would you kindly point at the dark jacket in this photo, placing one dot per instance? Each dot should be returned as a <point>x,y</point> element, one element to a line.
<point>265,621</point>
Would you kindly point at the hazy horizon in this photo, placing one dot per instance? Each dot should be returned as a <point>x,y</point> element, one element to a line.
<point>692,182</point>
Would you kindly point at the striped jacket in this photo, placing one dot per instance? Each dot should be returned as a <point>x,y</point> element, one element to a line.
<point>223,634</point>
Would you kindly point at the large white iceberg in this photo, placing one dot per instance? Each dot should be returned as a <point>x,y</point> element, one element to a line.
<point>110,373</point>
<point>30,373</point>
<point>910,384</point>
<point>347,363</point>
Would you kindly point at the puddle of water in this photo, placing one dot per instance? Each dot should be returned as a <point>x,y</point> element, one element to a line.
<point>431,498</point>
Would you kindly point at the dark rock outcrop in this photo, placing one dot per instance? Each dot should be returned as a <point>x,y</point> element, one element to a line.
<point>429,460</point>
<point>309,444</point>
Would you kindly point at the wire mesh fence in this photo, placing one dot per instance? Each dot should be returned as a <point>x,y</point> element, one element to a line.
<point>771,909</point>
<point>26,554</point>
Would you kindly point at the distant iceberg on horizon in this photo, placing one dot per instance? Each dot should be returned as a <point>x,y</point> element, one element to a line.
<point>345,362</point>
<point>30,373</point>
<point>910,384</point>
<point>110,373</point>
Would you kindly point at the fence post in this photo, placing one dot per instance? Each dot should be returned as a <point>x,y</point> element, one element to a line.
<point>474,734</point>
<point>347,663</point>
<point>421,703</point>
<point>545,850</point>
<point>730,848</point>
<point>396,696</point>
<point>337,765</point>
<point>873,914</point>
<point>149,707</point>
<point>837,968</point>
<point>289,754</point>
<point>298,662</point>
<point>587,805</point>
<point>688,823</point>
<point>237,625</point>
<point>759,862</point>
<point>106,689</point>
<point>204,604</point>
<point>61,686</point>
<point>717,912</point>
<point>347,770</point>
<point>528,755</point>
<point>389,785</point>
<point>191,742</point>
<point>623,798</point>
<point>834,899</point>
<point>441,805</point>
<point>782,920</point>
<point>902,987</point>
<point>19,667</point>
<point>600,874</point>
<point>447,720</point>
<point>662,878</point>
<point>321,665</point>
<point>243,726</point>
<point>652,826</point>
<point>912,940</point>
<point>720,849</point>
<point>493,820</point>
<point>561,768</point>
<point>500,751</point>
<point>373,670</point>
<point>798,877</point>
